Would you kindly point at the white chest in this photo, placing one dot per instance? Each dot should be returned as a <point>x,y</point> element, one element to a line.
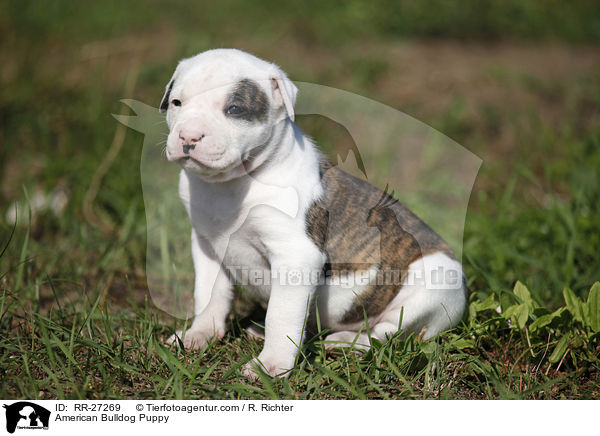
<point>235,221</point>
<point>247,263</point>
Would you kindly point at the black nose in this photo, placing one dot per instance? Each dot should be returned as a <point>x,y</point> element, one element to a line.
<point>188,147</point>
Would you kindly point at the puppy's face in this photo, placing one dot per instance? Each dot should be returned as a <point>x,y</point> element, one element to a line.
<point>222,108</point>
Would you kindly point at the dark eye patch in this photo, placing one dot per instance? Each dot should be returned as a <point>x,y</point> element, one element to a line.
<point>235,110</point>
<point>250,101</point>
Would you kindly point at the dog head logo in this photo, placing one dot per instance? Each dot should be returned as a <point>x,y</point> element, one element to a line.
<point>431,174</point>
<point>26,415</point>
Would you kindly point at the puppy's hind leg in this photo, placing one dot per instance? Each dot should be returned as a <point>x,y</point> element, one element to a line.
<point>347,338</point>
<point>381,331</point>
<point>432,299</point>
<point>426,307</point>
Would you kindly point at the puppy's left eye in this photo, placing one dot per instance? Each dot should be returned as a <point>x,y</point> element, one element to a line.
<point>234,110</point>
<point>176,102</point>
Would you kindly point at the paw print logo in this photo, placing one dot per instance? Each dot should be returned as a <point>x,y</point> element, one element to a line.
<point>294,278</point>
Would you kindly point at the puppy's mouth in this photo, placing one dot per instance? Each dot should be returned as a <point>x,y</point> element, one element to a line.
<point>215,163</point>
<point>217,167</point>
<point>204,161</point>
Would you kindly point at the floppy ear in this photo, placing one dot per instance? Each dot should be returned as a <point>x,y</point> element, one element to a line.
<point>284,91</point>
<point>164,104</point>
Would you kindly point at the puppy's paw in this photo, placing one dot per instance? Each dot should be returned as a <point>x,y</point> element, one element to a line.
<point>256,332</point>
<point>194,339</point>
<point>271,367</point>
<point>346,339</point>
<point>174,339</point>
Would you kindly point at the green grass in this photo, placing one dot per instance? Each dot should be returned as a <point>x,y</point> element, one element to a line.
<point>93,352</point>
<point>76,318</point>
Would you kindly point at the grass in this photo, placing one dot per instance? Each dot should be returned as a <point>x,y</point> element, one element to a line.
<point>96,353</point>
<point>76,318</point>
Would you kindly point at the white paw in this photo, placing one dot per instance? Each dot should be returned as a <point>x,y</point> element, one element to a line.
<point>272,367</point>
<point>347,339</point>
<point>173,338</point>
<point>256,332</point>
<point>194,339</point>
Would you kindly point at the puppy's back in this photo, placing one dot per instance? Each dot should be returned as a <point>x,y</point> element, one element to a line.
<point>345,223</point>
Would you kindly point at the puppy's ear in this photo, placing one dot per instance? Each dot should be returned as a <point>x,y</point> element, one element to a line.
<point>284,91</point>
<point>164,104</point>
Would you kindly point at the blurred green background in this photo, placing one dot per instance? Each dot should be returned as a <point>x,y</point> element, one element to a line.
<point>516,82</point>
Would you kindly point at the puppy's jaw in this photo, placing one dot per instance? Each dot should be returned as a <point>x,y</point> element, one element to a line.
<point>208,171</point>
<point>213,161</point>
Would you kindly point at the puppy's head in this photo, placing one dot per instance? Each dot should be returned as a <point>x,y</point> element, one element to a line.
<point>222,108</point>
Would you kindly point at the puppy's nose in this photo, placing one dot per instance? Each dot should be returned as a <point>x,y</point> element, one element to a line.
<point>189,137</point>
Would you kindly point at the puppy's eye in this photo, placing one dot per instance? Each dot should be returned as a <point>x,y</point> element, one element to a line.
<point>176,102</point>
<point>234,110</point>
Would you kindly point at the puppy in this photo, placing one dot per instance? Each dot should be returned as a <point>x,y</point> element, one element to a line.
<point>326,247</point>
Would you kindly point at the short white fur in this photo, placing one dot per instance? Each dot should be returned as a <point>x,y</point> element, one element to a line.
<point>252,214</point>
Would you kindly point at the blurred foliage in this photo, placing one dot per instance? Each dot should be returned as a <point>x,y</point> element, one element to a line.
<point>317,21</point>
<point>63,73</point>
<point>76,313</point>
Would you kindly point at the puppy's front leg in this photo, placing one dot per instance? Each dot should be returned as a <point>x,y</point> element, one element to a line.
<point>287,311</point>
<point>213,292</point>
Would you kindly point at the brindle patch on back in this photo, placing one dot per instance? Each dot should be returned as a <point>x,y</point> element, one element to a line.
<point>248,95</point>
<point>359,206</point>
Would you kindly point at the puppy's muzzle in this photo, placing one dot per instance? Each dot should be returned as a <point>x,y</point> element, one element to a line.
<point>189,138</point>
<point>192,144</point>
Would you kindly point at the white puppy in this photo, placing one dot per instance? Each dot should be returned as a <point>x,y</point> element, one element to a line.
<point>270,213</point>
